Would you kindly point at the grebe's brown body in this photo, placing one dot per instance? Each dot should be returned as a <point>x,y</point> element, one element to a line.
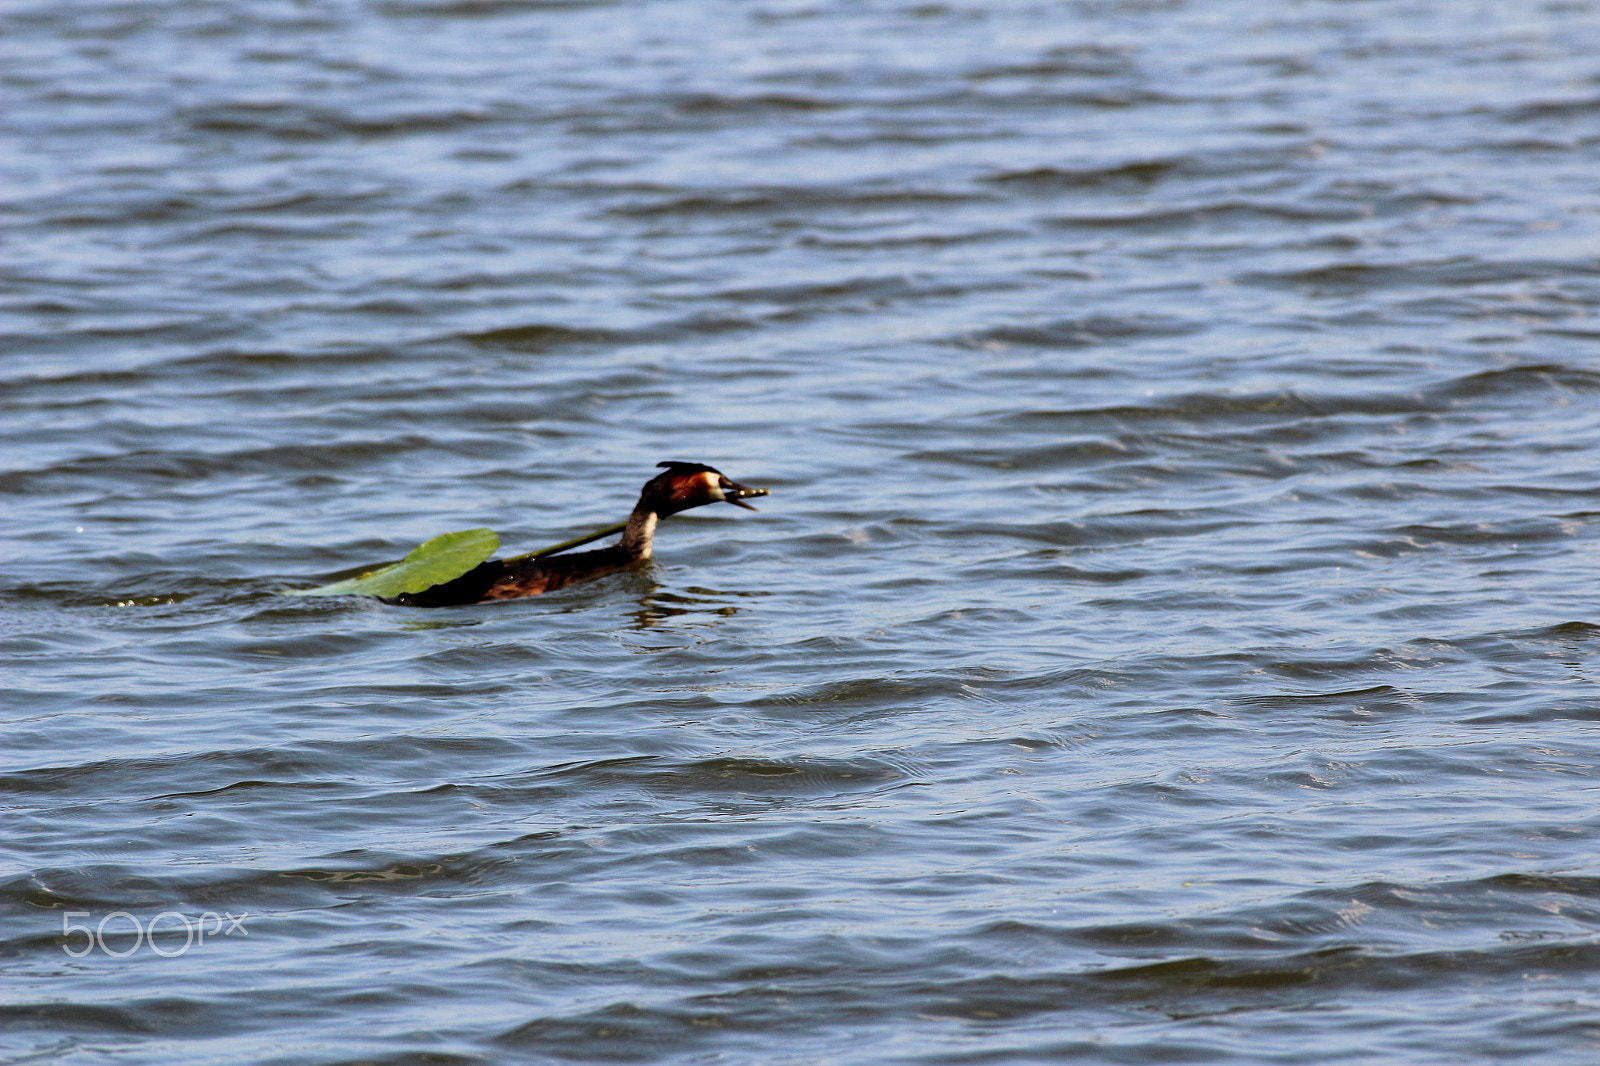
<point>683,486</point>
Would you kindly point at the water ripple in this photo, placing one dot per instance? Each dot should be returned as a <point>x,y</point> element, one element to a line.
<point>1169,636</point>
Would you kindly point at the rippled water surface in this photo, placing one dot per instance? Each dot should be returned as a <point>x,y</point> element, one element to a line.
<point>1170,636</point>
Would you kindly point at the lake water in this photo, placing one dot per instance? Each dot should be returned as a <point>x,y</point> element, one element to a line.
<point>1171,636</point>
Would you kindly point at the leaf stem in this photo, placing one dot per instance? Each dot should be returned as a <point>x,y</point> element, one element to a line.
<point>573,543</point>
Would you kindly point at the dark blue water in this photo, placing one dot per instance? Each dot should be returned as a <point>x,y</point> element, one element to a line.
<point>1170,637</point>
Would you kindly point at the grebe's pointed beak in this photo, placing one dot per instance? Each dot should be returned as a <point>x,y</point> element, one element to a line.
<point>737,494</point>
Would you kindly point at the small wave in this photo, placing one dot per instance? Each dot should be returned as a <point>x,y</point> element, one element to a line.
<point>477,9</point>
<point>169,466</point>
<point>888,980</point>
<point>1213,407</point>
<point>1205,213</point>
<point>1462,271</point>
<point>1521,379</point>
<point>1140,173</point>
<point>791,198</point>
<point>1080,332</point>
<point>86,1018</point>
<point>1065,61</point>
<point>730,775</point>
<point>755,104</point>
<point>858,293</point>
<point>1384,697</point>
<point>1513,531</point>
<point>305,122</point>
<point>916,240</point>
<point>1579,107</point>
<point>544,337</point>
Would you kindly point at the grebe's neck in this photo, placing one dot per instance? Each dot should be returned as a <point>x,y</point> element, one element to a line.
<point>640,534</point>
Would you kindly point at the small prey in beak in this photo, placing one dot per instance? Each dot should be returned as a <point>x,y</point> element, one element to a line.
<point>737,494</point>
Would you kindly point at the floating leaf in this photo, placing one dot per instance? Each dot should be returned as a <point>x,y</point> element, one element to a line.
<point>444,558</point>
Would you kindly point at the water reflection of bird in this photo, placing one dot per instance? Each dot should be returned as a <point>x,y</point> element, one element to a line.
<point>683,486</point>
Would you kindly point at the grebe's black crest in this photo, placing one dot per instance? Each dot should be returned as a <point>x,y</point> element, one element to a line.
<point>687,468</point>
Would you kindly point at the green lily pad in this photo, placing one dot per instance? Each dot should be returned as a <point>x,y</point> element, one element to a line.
<point>433,562</point>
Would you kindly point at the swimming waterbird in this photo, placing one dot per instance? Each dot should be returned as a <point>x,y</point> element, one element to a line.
<point>684,485</point>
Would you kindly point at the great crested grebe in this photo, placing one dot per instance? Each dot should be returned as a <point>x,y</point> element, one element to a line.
<point>683,486</point>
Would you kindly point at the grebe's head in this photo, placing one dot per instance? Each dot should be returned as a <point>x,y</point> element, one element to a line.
<point>687,485</point>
